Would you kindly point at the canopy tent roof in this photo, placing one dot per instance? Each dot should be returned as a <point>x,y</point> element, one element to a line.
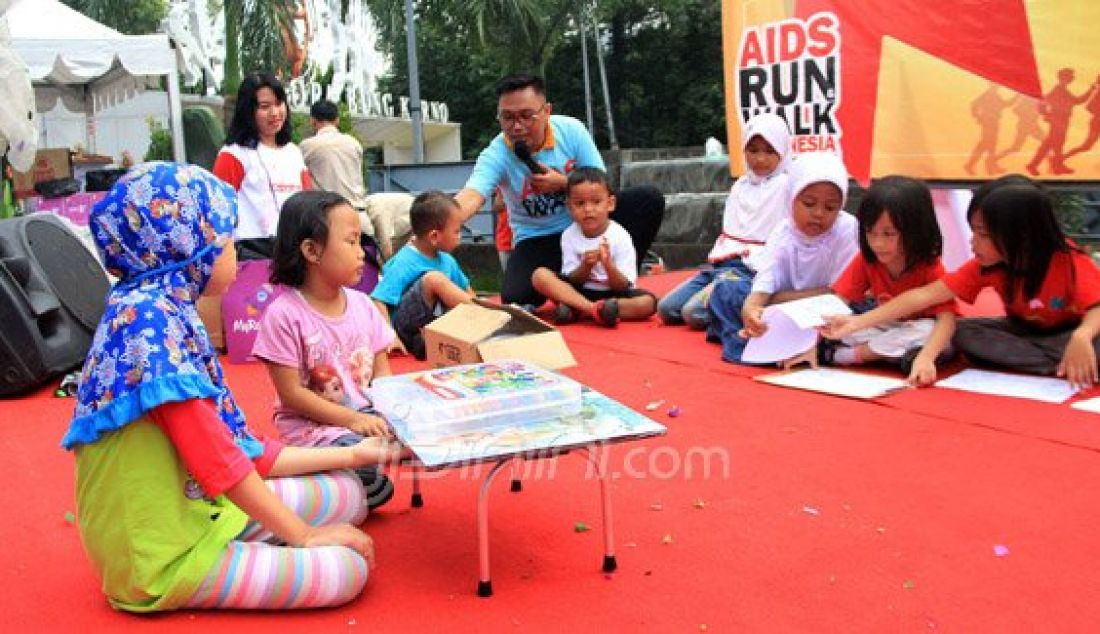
<point>61,45</point>
<point>86,64</point>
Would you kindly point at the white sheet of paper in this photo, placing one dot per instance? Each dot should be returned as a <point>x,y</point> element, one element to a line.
<point>1038,388</point>
<point>791,328</point>
<point>838,382</point>
<point>783,339</point>
<point>1088,405</point>
<point>808,312</point>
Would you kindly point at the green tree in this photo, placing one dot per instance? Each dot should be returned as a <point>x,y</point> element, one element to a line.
<point>255,32</point>
<point>664,66</point>
<point>132,17</point>
<point>517,34</point>
<point>664,63</point>
<point>464,46</point>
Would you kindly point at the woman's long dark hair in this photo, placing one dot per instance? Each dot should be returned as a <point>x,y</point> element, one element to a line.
<point>1021,222</point>
<point>909,205</point>
<point>242,129</point>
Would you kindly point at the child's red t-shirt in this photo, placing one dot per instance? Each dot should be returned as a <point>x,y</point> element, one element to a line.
<point>862,276</point>
<point>1071,287</point>
<point>205,446</point>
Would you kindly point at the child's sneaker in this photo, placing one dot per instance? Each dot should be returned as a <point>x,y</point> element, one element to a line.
<point>376,486</point>
<point>606,312</point>
<point>564,315</point>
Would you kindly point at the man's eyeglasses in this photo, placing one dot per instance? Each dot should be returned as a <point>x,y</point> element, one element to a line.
<point>524,117</point>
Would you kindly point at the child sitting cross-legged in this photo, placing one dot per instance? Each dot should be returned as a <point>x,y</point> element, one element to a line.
<point>598,262</point>
<point>423,279</point>
<point>756,205</point>
<point>1050,288</point>
<point>322,342</point>
<point>899,249</point>
<point>178,505</point>
<point>804,256</point>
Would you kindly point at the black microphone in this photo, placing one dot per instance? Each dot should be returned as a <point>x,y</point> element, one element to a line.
<point>523,153</point>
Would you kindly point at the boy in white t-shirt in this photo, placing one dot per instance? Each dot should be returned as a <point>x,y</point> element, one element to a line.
<point>598,261</point>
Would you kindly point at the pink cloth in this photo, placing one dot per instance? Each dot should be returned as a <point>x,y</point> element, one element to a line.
<point>334,356</point>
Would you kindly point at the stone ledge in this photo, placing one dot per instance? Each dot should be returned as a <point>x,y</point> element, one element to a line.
<point>675,176</point>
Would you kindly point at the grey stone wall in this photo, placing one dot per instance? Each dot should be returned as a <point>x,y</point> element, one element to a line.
<point>695,190</point>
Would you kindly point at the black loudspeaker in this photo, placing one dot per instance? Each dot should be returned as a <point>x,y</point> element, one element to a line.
<point>101,180</point>
<point>52,294</point>
<point>58,187</point>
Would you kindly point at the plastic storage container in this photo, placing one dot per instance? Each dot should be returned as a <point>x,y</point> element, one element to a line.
<point>475,396</point>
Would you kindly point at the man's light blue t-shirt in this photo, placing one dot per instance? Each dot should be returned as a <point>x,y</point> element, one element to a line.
<point>407,265</point>
<point>568,145</point>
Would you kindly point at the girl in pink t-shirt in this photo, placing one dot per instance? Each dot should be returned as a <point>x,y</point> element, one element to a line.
<point>321,341</point>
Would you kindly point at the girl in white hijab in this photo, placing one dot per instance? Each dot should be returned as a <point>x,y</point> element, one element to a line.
<point>804,255</point>
<point>757,203</point>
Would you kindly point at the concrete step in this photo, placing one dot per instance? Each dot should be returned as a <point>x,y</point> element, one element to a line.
<point>681,256</point>
<point>680,175</point>
<point>692,218</point>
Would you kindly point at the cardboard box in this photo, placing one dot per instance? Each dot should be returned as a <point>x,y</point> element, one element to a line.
<point>486,331</point>
<point>48,165</point>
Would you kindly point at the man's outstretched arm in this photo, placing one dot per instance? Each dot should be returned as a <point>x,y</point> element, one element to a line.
<point>469,201</point>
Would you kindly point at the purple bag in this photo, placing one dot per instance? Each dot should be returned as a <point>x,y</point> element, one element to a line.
<point>243,305</point>
<point>244,302</point>
<point>372,269</point>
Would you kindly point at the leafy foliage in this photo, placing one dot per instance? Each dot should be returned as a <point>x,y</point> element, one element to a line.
<point>664,67</point>
<point>160,141</point>
<point>132,17</point>
<point>1069,208</point>
<point>664,63</point>
<point>256,38</point>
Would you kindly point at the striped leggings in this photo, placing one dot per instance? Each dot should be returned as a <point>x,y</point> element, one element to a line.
<point>255,572</point>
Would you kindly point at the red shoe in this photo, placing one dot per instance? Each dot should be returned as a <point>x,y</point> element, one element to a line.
<point>606,312</point>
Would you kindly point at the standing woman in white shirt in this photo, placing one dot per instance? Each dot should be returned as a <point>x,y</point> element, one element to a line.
<point>260,162</point>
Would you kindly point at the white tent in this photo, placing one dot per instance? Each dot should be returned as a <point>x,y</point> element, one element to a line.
<point>88,65</point>
<point>18,138</point>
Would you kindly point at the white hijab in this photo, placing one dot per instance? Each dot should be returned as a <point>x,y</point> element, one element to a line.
<point>756,204</point>
<point>796,261</point>
<point>773,129</point>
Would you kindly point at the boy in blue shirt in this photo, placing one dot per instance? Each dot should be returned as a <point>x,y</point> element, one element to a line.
<point>423,279</point>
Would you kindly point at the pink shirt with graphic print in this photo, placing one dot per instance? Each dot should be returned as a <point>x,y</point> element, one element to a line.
<point>334,356</point>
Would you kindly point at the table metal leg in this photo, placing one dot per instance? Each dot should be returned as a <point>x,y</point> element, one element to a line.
<point>609,561</point>
<point>417,499</point>
<point>484,582</point>
<point>517,484</point>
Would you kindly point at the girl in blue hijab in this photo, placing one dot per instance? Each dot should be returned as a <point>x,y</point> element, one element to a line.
<point>172,505</point>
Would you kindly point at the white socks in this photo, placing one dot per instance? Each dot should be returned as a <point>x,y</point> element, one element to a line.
<point>846,355</point>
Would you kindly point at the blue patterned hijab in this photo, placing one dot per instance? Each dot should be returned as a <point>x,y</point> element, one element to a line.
<point>159,230</point>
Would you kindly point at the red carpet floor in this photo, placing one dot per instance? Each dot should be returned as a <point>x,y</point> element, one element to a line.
<point>762,510</point>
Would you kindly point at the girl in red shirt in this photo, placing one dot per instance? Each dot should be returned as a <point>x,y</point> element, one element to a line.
<point>899,249</point>
<point>1051,289</point>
